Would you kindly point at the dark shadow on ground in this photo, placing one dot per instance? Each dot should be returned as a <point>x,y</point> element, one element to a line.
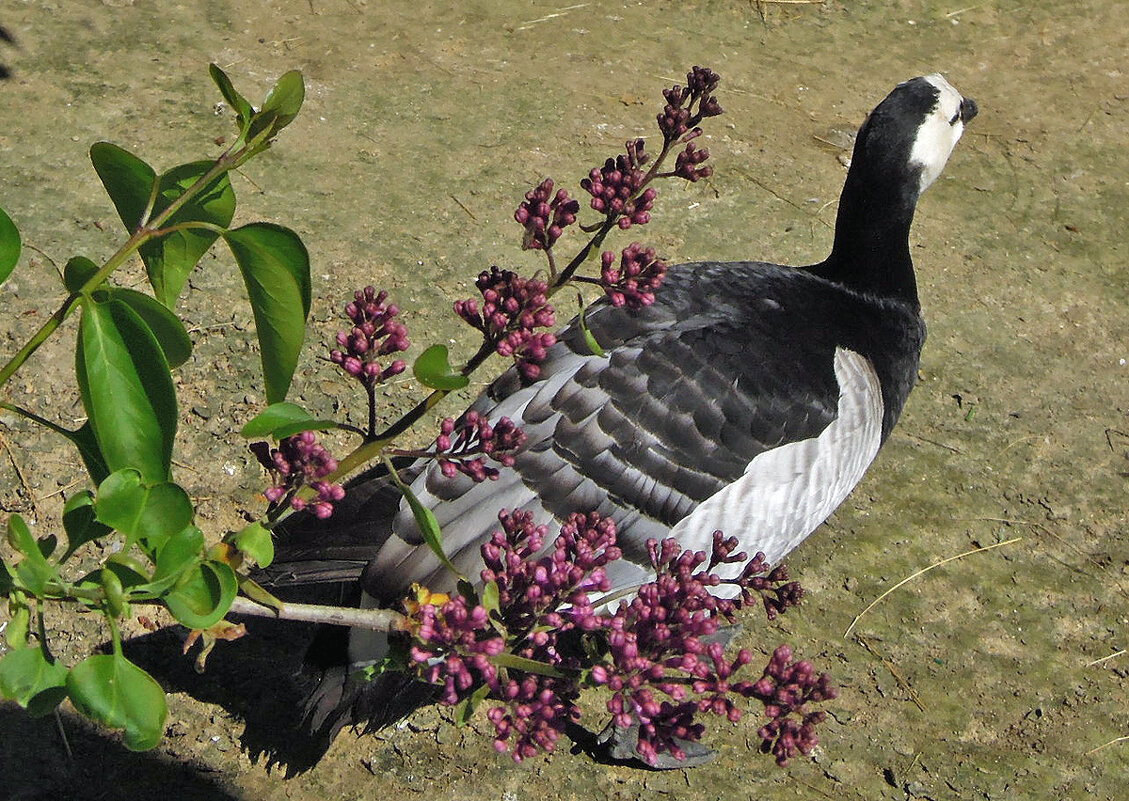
<point>256,678</point>
<point>34,765</point>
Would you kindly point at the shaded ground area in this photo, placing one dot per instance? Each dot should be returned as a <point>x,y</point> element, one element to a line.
<point>424,124</point>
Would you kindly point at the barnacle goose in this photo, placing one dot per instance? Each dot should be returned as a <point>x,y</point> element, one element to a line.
<point>750,397</point>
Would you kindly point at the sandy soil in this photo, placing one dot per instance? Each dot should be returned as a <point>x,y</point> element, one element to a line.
<point>424,123</point>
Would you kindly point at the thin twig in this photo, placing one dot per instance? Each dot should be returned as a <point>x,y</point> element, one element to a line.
<point>63,735</point>
<point>20,474</point>
<point>922,572</point>
<point>464,208</point>
<point>1114,655</point>
<point>1114,741</point>
<point>375,619</point>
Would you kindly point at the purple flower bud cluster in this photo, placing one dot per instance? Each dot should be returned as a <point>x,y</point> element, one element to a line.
<point>771,584</point>
<point>513,307</point>
<point>686,164</point>
<point>785,689</point>
<point>532,595</point>
<point>658,654</point>
<point>531,590</point>
<point>375,333</point>
<point>634,282</point>
<point>459,442</point>
<point>297,461</point>
<point>545,219</point>
<point>687,107</point>
<point>452,647</point>
<point>615,187</point>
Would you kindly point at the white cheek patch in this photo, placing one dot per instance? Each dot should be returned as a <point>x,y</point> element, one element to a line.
<point>937,136</point>
<point>788,491</point>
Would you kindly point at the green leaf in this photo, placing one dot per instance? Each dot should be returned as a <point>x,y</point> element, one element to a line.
<point>283,420</point>
<point>276,270</point>
<point>88,450</point>
<point>171,258</point>
<point>126,388</point>
<point>182,551</point>
<point>491,598</point>
<point>114,593</point>
<point>203,595</point>
<point>32,680</point>
<point>433,369</point>
<point>9,246</point>
<point>47,545</point>
<point>149,512</point>
<point>80,523</point>
<point>128,181</point>
<point>464,710</point>
<point>515,662</point>
<point>589,338</point>
<point>165,325</point>
<point>19,622</point>
<point>234,99</point>
<point>33,572</point>
<point>78,271</point>
<point>256,541</point>
<point>113,691</point>
<point>428,527</point>
<point>128,570</point>
<point>281,106</point>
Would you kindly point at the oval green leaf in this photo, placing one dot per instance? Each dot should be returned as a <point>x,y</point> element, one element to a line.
<point>170,259</point>
<point>78,271</point>
<point>203,595</point>
<point>166,326</point>
<point>283,420</point>
<point>183,551</point>
<point>113,691</point>
<point>9,246</point>
<point>148,512</point>
<point>89,451</point>
<point>276,271</point>
<point>80,523</point>
<point>32,680</point>
<point>280,107</point>
<point>256,541</point>
<point>126,388</point>
<point>128,181</point>
<point>433,369</point>
<point>428,527</point>
<point>33,572</point>
<point>234,99</point>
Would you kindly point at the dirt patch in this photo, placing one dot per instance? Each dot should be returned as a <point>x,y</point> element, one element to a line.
<point>424,124</point>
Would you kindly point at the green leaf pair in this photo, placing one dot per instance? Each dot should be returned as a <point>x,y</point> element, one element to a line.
<point>140,196</point>
<point>279,109</point>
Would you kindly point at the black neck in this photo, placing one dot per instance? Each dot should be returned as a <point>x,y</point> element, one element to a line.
<point>871,250</point>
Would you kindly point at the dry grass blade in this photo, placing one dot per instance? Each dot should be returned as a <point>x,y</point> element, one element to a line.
<point>1106,658</point>
<point>921,572</point>
<point>1114,741</point>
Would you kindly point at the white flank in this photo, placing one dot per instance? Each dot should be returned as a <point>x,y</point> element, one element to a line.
<point>788,491</point>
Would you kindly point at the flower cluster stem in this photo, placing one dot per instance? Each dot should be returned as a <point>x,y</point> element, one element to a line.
<point>374,619</point>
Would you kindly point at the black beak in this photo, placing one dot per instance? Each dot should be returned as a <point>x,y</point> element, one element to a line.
<point>967,109</point>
